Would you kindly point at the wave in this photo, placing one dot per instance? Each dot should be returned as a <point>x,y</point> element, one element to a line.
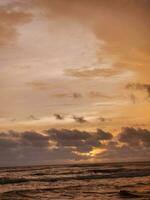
<point>4,181</point>
<point>87,175</point>
<point>29,194</point>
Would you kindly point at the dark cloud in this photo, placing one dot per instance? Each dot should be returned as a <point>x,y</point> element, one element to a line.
<point>102,135</point>
<point>55,145</point>
<point>61,145</point>
<point>135,137</point>
<point>65,134</point>
<point>131,144</point>
<point>79,119</point>
<point>117,153</point>
<point>59,117</point>
<point>26,148</point>
<point>70,138</point>
<point>81,141</point>
<point>139,86</point>
<point>7,143</point>
<point>102,119</point>
<point>31,138</point>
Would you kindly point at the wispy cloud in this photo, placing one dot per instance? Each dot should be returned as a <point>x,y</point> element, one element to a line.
<point>32,117</point>
<point>75,95</point>
<point>86,72</point>
<point>39,85</point>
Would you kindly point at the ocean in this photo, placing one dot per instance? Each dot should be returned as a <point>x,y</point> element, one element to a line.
<point>111,181</point>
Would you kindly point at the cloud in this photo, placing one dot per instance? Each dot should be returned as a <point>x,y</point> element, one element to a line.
<point>32,117</point>
<point>102,135</point>
<point>64,145</point>
<point>97,94</point>
<point>75,137</point>
<point>78,141</point>
<point>34,139</point>
<point>10,20</point>
<point>139,86</point>
<point>59,117</point>
<point>135,137</point>
<point>26,148</point>
<point>60,95</point>
<point>39,85</point>
<point>131,144</point>
<point>70,138</point>
<point>122,25</point>
<point>103,119</point>
<point>117,153</point>
<point>75,95</point>
<point>79,119</point>
<point>86,72</point>
<point>59,146</point>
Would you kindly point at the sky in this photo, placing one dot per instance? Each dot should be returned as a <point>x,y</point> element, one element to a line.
<point>74,81</point>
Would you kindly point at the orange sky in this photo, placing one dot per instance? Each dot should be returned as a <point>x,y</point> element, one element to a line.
<point>74,64</point>
<point>73,58</point>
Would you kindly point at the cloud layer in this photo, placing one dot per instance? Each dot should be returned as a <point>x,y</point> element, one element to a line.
<point>63,145</point>
<point>86,72</point>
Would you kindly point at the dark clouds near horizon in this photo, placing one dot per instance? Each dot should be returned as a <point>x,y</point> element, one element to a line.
<point>63,145</point>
